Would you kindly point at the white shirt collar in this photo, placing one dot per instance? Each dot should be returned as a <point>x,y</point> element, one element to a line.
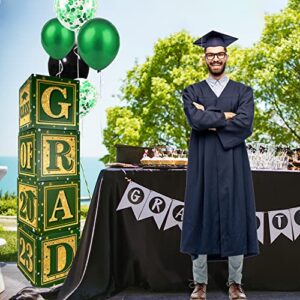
<point>222,81</point>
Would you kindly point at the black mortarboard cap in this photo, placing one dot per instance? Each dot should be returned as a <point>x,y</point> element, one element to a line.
<point>214,39</point>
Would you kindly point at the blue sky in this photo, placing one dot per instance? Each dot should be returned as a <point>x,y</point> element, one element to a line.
<point>140,25</point>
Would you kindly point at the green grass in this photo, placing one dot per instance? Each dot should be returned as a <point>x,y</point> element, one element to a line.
<point>8,253</point>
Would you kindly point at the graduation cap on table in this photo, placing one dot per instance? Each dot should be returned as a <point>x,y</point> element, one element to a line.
<point>214,39</point>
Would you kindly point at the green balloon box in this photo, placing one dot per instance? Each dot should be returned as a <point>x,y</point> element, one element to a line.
<point>49,178</point>
<point>49,102</point>
<point>46,259</point>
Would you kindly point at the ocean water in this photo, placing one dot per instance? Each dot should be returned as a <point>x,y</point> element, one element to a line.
<point>91,167</point>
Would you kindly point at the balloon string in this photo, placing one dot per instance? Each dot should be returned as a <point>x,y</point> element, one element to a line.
<point>81,165</point>
<point>85,181</point>
<point>100,98</point>
<point>78,57</point>
<point>60,68</point>
<point>100,85</point>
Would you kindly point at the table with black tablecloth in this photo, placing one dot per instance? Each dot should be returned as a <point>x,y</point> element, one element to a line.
<point>117,251</point>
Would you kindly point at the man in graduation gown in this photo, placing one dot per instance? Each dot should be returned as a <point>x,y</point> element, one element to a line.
<point>219,219</point>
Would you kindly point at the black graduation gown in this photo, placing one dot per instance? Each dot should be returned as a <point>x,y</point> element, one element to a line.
<point>219,216</point>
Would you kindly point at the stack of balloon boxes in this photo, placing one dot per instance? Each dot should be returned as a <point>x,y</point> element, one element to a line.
<point>49,180</point>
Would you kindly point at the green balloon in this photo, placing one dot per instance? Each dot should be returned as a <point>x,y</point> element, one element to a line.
<point>98,43</point>
<point>57,40</point>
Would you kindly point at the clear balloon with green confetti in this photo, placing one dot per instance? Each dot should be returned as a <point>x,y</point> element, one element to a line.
<point>87,96</point>
<point>74,13</point>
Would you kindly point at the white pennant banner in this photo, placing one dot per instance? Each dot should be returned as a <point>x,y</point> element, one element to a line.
<point>260,226</point>
<point>157,206</point>
<point>175,215</point>
<point>146,203</point>
<point>280,223</point>
<point>135,196</point>
<point>295,217</point>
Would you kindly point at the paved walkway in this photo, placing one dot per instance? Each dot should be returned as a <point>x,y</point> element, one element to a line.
<point>9,223</point>
<point>15,281</point>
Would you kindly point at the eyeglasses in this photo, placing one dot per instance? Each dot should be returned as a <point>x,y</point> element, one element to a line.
<point>211,56</point>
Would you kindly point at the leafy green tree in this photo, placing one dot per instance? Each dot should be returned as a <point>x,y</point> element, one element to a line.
<point>152,92</point>
<point>272,68</point>
<point>122,128</point>
<point>153,113</point>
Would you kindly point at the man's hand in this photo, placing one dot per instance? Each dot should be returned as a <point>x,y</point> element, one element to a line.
<point>229,115</point>
<point>198,106</point>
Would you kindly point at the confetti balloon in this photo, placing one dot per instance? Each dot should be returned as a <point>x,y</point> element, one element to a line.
<point>87,96</point>
<point>74,13</point>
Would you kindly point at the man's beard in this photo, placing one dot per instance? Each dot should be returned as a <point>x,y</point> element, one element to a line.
<point>216,73</point>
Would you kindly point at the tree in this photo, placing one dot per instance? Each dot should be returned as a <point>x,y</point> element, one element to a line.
<point>122,128</point>
<point>272,68</point>
<point>153,114</point>
<point>152,92</point>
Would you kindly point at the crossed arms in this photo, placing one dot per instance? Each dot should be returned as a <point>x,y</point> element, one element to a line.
<point>232,128</point>
<point>228,115</point>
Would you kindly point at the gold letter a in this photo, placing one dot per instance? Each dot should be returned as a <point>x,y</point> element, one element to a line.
<point>62,200</point>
